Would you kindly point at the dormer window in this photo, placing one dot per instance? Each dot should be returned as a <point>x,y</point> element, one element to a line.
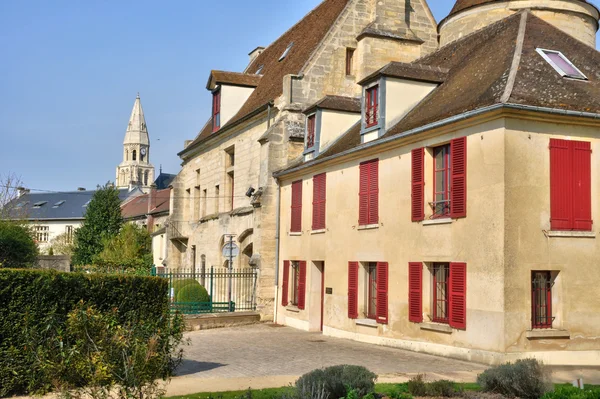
<point>372,106</point>
<point>216,110</point>
<point>561,64</point>
<point>286,51</point>
<point>39,204</point>
<point>310,130</point>
<point>259,70</point>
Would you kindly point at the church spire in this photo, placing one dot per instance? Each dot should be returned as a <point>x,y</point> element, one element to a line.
<point>137,122</point>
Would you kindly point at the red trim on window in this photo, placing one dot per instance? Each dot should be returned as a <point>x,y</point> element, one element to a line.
<point>458,176</point>
<point>368,209</point>
<point>418,185</point>
<point>216,110</point>
<point>415,292</point>
<point>458,295</point>
<point>372,106</point>
<point>541,299</point>
<point>382,292</point>
<point>319,197</point>
<point>353,290</point>
<point>296,222</point>
<point>441,198</point>
<point>285,283</point>
<point>310,130</point>
<point>372,291</point>
<point>301,284</point>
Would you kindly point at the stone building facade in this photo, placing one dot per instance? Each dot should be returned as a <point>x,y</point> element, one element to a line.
<point>456,215</point>
<point>226,184</point>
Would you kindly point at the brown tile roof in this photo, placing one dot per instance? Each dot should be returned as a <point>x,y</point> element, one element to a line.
<point>479,68</point>
<point>232,78</point>
<point>306,35</point>
<point>139,205</point>
<point>336,103</point>
<point>426,73</point>
<point>464,4</point>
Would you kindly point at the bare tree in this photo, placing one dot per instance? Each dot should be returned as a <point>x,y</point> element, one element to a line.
<point>10,189</point>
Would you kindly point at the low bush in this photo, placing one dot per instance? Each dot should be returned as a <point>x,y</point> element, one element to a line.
<point>17,248</point>
<point>192,293</point>
<point>338,381</point>
<point>442,388</point>
<point>179,284</point>
<point>571,392</point>
<point>417,386</point>
<point>526,379</point>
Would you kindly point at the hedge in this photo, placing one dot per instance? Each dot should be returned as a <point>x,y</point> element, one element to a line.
<point>34,306</point>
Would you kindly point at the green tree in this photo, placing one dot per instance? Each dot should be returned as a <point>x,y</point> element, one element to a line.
<point>17,247</point>
<point>103,221</point>
<point>62,245</point>
<point>129,250</point>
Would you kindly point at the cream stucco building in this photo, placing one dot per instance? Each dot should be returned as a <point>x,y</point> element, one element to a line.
<point>454,210</point>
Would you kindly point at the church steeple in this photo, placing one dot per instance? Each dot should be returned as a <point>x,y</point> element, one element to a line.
<point>136,168</point>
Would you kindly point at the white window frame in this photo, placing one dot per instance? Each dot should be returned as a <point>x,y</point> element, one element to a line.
<point>542,52</point>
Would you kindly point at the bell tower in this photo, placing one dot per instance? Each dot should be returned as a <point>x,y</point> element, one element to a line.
<point>136,168</point>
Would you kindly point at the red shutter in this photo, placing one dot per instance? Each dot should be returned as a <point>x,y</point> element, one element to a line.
<point>415,292</point>
<point>458,295</point>
<point>302,284</point>
<point>418,185</point>
<point>561,199</point>
<point>382,292</point>
<point>458,183</point>
<point>582,185</point>
<point>285,283</point>
<point>296,224</point>
<point>353,290</point>
<point>319,193</point>
<point>374,192</point>
<point>363,195</point>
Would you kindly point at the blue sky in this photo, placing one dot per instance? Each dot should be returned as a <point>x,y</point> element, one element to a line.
<point>70,71</point>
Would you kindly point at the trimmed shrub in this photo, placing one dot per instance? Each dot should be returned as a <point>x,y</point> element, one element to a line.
<point>338,381</point>
<point>35,306</point>
<point>571,392</point>
<point>192,293</point>
<point>441,388</point>
<point>417,386</point>
<point>527,379</point>
<point>179,284</point>
<point>17,248</point>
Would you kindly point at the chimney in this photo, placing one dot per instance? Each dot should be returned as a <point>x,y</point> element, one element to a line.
<point>255,53</point>
<point>22,191</point>
<point>80,188</point>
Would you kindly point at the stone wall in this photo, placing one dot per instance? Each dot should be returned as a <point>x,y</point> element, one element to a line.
<point>61,263</point>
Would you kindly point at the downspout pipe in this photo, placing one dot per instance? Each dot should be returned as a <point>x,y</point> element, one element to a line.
<point>277,222</point>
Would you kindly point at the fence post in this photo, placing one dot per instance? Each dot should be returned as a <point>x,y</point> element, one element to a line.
<point>211,288</point>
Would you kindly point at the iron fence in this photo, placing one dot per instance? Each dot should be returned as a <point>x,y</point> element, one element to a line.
<point>210,291</point>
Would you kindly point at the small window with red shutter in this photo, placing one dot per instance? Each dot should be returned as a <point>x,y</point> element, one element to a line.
<point>368,207</point>
<point>294,273</point>
<point>418,184</point>
<point>216,110</point>
<point>373,291</point>
<point>372,106</point>
<point>296,211</point>
<point>310,130</point>
<point>319,194</point>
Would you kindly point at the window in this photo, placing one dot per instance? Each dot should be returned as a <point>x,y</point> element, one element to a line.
<point>349,61</point>
<point>230,157</point>
<point>368,212</point>
<point>286,51</point>
<point>69,230</point>
<point>310,130</point>
<point>441,181</point>
<point>259,70</point>
<point>197,210</point>
<point>372,106</point>
<point>541,299</point>
<point>441,275</point>
<point>570,185</point>
<point>296,272</point>
<point>372,291</point>
<point>216,110</point>
<point>231,183</point>
<point>59,203</point>
<point>561,64</point>
<point>134,155</point>
<point>41,233</point>
<point>145,178</point>
<point>217,199</point>
<point>319,195</point>
<point>204,195</point>
<point>296,222</point>
<point>39,204</point>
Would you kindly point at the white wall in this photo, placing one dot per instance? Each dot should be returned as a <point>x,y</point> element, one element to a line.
<point>55,228</point>
<point>232,99</point>
<point>401,96</point>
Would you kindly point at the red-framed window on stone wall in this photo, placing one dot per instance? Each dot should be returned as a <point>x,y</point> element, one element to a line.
<point>310,130</point>
<point>368,207</point>
<point>294,272</point>
<point>296,211</point>
<point>541,299</point>
<point>441,298</point>
<point>372,106</point>
<point>376,293</point>
<point>216,110</point>
<point>372,290</point>
<point>570,185</point>
<point>441,181</point>
<point>319,197</point>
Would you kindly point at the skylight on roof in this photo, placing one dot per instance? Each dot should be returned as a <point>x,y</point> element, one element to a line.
<point>259,70</point>
<point>87,203</point>
<point>287,50</point>
<point>40,204</point>
<point>561,64</point>
<point>59,203</point>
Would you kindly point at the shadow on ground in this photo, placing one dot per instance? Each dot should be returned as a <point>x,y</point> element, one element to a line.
<point>188,366</point>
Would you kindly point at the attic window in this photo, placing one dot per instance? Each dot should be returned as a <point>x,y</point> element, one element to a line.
<point>22,204</point>
<point>39,204</point>
<point>59,203</point>
<point>561,64</point>
<point>287,50</point>
<point>87,203</point>
<point>259,70</point>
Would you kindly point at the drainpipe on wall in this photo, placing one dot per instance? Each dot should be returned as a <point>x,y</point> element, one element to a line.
<point>277,251</point>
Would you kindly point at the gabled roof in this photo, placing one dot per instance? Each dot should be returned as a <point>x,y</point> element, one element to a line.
<point>138,206</point>
<point>306,35</point>
<point>412,71</point>
<point>232,78</point>
<point>336,103</point>
<point>73,207</point>
<point>498,66</point>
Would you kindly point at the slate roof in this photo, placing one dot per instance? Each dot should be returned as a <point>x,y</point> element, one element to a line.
<point>232,78</point>
<point>494,66</point>
<point>164,180</point>
<point>413,71</point>
<point>306,35</point>
<point>336,103</point>
<point>138,206</point>
<point>73,207</point>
